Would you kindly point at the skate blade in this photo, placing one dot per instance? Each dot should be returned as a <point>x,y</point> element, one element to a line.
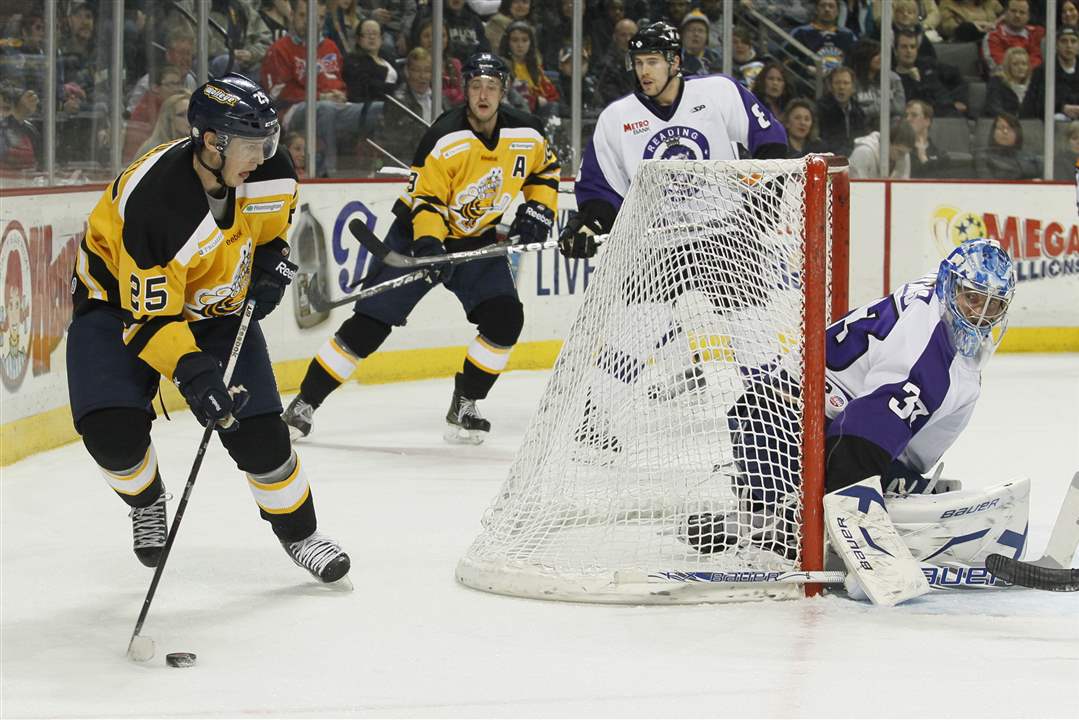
<point>456,435</point>
<point>342,584</point>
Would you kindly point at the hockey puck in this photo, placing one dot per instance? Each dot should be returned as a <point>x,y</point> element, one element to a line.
<point>180,659</point>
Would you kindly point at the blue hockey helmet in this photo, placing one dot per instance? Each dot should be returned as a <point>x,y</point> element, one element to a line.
<point>484,64</point>
<point>975,284</point>
<point>239,112</point>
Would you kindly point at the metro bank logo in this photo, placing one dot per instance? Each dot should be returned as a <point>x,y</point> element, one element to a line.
<point>637,127</point>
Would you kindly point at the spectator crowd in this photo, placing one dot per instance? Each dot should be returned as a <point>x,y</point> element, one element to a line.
<point>968,77</point>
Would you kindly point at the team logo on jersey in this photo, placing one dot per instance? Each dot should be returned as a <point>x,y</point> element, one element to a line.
<point>677,143</point>
<point>15,325</point>
<point>479,199</point>
<point>227,298</point>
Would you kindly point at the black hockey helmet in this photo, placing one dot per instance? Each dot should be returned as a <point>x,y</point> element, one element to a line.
<point>234,106</point>
<point>659,37</point>
<point>484,64</point>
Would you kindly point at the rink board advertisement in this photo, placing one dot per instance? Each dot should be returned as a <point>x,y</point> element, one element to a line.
<point>41,234</point>
<point>1037,225</point>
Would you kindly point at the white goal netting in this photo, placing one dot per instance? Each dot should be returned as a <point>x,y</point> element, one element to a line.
<point>664,456</point>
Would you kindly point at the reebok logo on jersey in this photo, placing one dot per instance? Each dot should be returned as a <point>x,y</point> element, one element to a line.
<point>637,127</point>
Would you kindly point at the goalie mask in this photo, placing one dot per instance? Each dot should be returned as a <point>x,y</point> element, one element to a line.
<point>975,284</point>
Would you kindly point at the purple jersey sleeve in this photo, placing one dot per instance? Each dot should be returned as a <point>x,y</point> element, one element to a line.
<point>764,128</point>
<point>891,414</point>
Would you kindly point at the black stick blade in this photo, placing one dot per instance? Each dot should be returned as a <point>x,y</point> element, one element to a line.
<point>368,239</point>
<point>1021,573</point>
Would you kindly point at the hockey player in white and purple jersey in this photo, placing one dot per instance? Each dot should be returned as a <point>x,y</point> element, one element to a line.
<point>902,379</point>
<point>668,118</point>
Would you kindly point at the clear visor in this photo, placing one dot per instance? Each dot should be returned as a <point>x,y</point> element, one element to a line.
<point>978,305</point>
<point>257,150</point>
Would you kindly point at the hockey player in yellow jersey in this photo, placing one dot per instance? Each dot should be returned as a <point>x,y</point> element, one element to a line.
<point>468,169</point>
<point>172,250</point>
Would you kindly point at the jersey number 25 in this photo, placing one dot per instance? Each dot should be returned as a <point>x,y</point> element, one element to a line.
<point>148,294</point>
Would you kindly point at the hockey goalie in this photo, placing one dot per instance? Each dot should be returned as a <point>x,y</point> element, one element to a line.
<point>902,380</point>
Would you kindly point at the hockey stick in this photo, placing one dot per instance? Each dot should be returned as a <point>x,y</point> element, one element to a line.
<point>320,303</point>
<point>393,258</point>
<point>141,647</point>
<point>1018,572</point>
<point>1052,571</point>
<point>751,577</point>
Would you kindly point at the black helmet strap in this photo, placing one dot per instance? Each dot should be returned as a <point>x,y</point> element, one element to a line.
<point>215,171</point>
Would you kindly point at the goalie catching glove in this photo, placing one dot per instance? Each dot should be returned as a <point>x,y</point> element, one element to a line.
<point>533,222</point>
<point>271,273</point>
<point>199,377</point>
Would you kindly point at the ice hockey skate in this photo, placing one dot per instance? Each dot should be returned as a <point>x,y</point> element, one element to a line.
<point>149,526</point>
<point>320,556</point>
<point>464,424</point>
<point>753,524</point>
<point>298,416</point>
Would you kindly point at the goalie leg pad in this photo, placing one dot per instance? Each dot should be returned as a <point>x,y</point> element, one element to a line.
<point>862,534</point>
<point>963,528</point>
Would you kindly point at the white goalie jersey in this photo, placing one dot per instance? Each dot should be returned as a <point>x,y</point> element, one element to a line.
<point>894,378</point>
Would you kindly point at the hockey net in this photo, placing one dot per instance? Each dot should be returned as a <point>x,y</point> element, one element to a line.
<point>677,450</point>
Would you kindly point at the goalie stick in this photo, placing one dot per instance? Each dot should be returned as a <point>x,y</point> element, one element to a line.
<point>1052,571</point>
<point>393,258</point>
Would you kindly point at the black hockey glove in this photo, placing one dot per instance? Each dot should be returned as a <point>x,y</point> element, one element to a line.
<point>578,237</point>
<point>427,246</point>
<point>198,376</point>
<point>271,273</point>
<point>533,223</point>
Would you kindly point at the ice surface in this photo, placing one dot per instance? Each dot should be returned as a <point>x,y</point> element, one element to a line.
<point>409,641</point>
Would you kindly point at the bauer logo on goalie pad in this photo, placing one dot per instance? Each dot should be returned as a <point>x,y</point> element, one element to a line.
<point>961,577</point>
<point>855,547</point>
<point>956,512</point>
